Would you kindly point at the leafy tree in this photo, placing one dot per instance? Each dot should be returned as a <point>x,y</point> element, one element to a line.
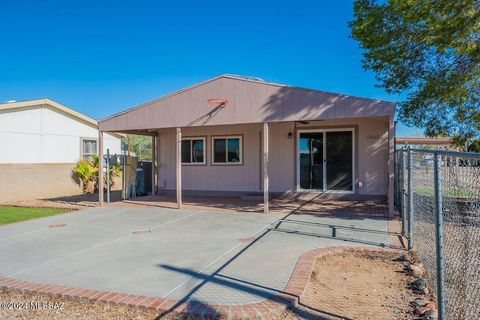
<point>141,145</point>
<point>430,50</point>
<point>474,146</point>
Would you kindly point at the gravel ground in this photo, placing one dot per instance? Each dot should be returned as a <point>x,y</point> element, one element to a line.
<point>69,202</point>
<point>71,309</point>
<point>360,286</point>
<point>67,309</point>
<point>37,203</point>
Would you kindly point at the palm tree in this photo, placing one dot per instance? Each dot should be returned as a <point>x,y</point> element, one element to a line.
<point>87,172</point>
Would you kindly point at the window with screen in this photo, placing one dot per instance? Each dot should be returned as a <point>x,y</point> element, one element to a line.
<point>89,148</point>
<point>193,151</point>
<point>227,150</point>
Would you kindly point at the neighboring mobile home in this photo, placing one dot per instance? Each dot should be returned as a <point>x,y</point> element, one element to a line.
<point>41,140</point>
<point>241,135</point>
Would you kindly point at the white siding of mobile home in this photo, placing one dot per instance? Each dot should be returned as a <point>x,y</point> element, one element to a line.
<point>41,134</point>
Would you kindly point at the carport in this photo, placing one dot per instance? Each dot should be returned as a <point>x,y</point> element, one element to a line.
<point>244,137</point>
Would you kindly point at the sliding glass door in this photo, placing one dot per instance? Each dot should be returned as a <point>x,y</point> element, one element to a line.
<point>339,160</point>
<point>311,160</point>
<point>325,160</point>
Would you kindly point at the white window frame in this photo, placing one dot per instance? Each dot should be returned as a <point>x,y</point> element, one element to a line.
<point>325,167</point>
<point>226,163</point>
<point>82,153</point>
<point>191,163</point>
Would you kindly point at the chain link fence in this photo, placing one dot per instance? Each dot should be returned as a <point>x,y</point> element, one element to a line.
<point>438,197</point>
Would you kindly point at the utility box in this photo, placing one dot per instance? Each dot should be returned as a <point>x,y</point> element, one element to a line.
<point>144,178</point>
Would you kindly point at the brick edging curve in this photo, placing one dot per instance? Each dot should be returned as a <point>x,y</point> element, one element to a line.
<point>290,296</point>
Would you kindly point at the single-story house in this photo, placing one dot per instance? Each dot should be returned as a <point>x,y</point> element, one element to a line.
<point>41,140</point>
<point>241,135</point>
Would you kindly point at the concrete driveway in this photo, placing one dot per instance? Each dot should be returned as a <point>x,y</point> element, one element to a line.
<point>212,257</point>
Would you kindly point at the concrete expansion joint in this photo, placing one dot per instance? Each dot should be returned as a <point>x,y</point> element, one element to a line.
<point>60,225</point>
<point>288,298</point>
<point>138,232</point>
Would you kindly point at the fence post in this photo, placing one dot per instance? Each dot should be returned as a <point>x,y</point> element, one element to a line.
<point>410,198</point>
<point>402,190</point>
<point>439,237</point>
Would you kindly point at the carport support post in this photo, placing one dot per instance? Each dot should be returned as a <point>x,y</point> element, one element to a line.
<point>154,164</point>
<point>108,175</point>
<point>100,168</point>
<point>124,169</point>
<point>179,167</point>
<point>265,167</point>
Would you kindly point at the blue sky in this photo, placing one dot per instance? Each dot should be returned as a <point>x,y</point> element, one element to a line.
<point>100,57</point>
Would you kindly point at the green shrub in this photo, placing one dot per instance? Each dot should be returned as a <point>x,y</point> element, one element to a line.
<point>87,172</point>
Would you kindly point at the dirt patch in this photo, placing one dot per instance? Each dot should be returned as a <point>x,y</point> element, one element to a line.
<point>68,309</point>
<point>360,286</point>
<point>37,203</point>
<point>69,202</point>
<point>64,308</point>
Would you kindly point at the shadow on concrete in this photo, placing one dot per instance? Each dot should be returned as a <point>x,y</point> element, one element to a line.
<point>289,300</point>
<point>195,306</point>
<point>86,200</point>
<point>292,302</point>
<point>344,239</point>
<point>315,205</point>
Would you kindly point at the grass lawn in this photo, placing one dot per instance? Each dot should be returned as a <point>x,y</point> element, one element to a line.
<point>15,214</point>
<point>446,192</point>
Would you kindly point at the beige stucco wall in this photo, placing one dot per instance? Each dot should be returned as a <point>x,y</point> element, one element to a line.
<point>371,157</point>
<point>21,181</point>
<point>37,181</point>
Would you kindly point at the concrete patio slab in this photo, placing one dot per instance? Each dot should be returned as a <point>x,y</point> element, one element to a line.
<point>213,258</point>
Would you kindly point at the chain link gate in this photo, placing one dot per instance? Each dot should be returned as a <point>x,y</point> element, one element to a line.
<point>437,193</point>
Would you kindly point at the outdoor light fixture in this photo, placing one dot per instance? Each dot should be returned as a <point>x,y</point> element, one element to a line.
<point>290,135</point>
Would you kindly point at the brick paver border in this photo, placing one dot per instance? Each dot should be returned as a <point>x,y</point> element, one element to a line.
<point>291,295</point>
<point>395,233</point>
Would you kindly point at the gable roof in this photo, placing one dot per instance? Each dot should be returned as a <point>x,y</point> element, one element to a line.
<point>54,105</point>
<point>250,100</point>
